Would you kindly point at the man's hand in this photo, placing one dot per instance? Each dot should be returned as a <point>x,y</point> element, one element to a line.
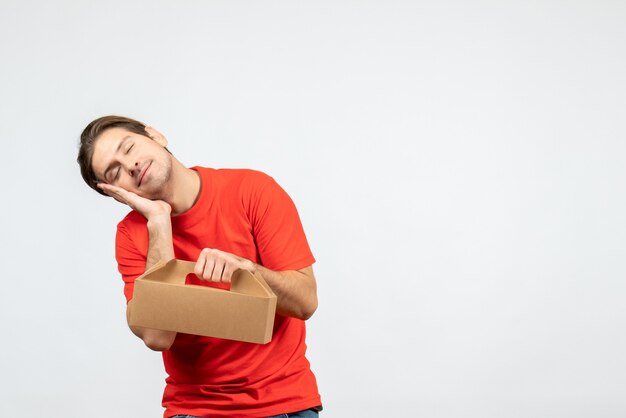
<point>219,266</point>
<point>150,209</point>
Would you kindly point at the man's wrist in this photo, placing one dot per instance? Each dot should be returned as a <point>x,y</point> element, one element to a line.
<point>159,221</point>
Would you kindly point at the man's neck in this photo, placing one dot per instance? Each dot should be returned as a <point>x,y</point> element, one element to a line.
<point>185,188</point>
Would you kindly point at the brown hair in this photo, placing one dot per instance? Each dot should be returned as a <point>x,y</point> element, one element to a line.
<point>90,135</point>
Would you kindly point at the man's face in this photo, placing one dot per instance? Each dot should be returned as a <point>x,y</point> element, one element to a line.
<point>133,162</point>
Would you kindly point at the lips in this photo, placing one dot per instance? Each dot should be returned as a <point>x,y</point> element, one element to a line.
<point>143,173</point>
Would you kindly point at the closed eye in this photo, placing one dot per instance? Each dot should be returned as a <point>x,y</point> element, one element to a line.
<point>129,148</point>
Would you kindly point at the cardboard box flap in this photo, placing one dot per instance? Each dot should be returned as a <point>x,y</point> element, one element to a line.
<point>156,266</point>
<point>248,283</point>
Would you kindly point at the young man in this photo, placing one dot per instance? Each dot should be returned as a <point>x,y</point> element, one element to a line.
<point>224,220</point>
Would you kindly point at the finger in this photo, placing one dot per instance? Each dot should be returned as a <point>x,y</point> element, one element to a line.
<point>208,269</point>
<point>116,189</point>
<point>104,187</point>
<point>115,192</point>
<point>116,196</point>
<point>218,271</point>
<point>199,267</point>
<point>227,275</point>
<point>109,187</point>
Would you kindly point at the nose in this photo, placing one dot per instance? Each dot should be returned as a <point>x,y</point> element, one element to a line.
<point>133,169</point>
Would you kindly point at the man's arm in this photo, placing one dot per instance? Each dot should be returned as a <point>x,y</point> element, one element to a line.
<point>160,248</point>
<point>296,290</point>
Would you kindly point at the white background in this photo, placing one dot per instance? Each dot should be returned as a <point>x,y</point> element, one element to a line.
<point>459,168</point>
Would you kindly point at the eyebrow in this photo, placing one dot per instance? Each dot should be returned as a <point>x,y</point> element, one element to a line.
<point>117,150</point>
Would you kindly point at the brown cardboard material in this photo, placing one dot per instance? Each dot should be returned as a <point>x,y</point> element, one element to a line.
<point>162,300</point>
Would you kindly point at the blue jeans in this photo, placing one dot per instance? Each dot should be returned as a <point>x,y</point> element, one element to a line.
<point>309,413</point>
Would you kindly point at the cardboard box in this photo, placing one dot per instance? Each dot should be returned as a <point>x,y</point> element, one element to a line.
<point>162,300</point>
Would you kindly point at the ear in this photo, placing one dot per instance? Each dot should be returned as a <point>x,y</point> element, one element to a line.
<point>157,136</point>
